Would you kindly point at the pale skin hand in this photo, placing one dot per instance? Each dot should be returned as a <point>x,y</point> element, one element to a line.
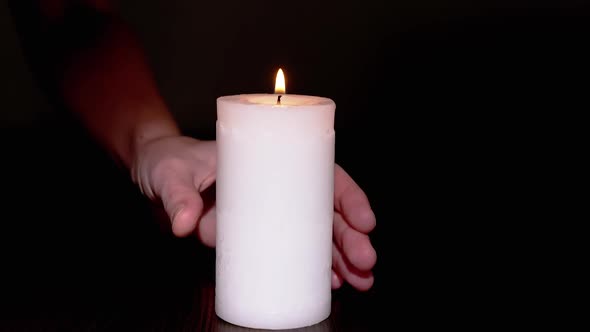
<point>176,170</point>
<point>109,86</point>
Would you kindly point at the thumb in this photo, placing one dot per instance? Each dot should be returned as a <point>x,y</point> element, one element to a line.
<point>183,205</point>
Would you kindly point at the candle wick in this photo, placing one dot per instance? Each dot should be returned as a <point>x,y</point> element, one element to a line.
<point>279,99</point>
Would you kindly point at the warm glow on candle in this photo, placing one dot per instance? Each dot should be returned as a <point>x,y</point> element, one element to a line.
<point>280,82</point>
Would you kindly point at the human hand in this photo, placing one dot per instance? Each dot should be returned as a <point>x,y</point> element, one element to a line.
<point>353,256</point>
<point>176,171</point>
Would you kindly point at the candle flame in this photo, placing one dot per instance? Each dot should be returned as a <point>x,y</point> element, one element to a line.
<point>280,82</point>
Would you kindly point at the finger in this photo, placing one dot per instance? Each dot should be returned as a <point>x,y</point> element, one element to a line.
<point>206,230</point>
<point>204,183</point>
<point>205,175</point>
<point>183,206</point>
<point>336,280</point>
<point>351,201</point>
<point>206,225</point>
<point>355,246</point>
<point>358,279</point>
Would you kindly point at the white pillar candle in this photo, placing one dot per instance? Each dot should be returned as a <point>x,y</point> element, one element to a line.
<point>275,192</point>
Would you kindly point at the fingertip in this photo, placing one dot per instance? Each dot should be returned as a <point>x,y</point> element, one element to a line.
<point>337,280</point>
<point>358,213</point>
<point>363,284</point>
<point>360,280</point>
<point>184,221</point>
<point>367,220</point>
<point>367,257</point>
<point>360,251</point>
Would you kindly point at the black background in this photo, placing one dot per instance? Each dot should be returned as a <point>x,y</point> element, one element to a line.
<point>439,105</point>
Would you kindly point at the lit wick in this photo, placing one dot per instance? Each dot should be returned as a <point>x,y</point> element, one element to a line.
<point>280,86</point>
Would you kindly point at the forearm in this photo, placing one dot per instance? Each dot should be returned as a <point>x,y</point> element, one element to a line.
<point>110,86</point>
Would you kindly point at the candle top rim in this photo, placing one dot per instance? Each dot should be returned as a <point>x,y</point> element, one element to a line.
<point>301,100</point>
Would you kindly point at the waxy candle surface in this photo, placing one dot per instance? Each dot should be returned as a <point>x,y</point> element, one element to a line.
<point>275,192</point>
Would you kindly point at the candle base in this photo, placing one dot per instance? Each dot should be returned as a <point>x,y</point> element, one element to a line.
<point>246,317</point>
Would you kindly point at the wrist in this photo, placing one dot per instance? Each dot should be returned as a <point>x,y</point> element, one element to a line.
<point>147,131</point>
<point>151,131</point>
